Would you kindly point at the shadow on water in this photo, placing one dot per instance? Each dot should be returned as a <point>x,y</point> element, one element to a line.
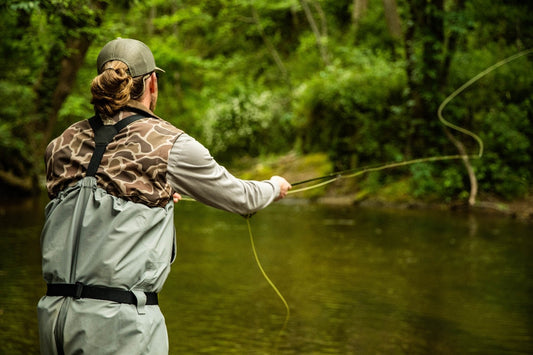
<point>358,281</point>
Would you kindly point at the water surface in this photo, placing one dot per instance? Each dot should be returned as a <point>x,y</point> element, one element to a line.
<point>358,281</point>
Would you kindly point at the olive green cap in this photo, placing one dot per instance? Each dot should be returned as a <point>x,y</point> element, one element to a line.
<point>135,54</point>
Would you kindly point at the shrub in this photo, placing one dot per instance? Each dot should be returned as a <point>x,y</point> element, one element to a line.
<point>352,113</point>
<point>247,123</point>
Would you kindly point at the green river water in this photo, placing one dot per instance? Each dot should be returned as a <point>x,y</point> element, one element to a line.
<point>358,281</point>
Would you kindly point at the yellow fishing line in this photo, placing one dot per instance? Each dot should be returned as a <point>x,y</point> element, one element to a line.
<point>363,170</point>
<point>378,168</point>
<point>287,308</point>
<point>466,85</point>
<point>323,183</point>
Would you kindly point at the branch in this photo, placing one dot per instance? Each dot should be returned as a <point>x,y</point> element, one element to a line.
<point>319,39</point>
<point>466,161</point>
<point>323,21</point>
<point>272,50</point>
<point>11,180</point>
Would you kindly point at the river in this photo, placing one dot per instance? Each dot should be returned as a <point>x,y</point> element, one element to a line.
<point>357,281</point>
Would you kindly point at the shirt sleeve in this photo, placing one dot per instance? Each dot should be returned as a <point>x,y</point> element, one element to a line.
<point>192,171</point>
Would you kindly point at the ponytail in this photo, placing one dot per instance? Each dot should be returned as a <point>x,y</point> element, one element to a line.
<point>114,88</point>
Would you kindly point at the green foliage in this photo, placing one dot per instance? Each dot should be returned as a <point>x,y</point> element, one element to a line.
<point>16,92</point>
<point>247,78</point>
<point>502,115</point>
<point>507,166</point>
<point>247,124</point>
<point>15,116</point>
<point>349,112</point>
<point>503,22</point>
<point>439,182</point>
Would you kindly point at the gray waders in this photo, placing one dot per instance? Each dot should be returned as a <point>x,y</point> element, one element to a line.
<point>104,260</point>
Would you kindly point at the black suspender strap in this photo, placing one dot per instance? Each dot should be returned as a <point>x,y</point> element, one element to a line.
<point>103,134</point>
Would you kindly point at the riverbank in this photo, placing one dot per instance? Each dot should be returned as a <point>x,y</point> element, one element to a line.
<point>520,209</point>
<point>349,191</point>
<point>396,193</point>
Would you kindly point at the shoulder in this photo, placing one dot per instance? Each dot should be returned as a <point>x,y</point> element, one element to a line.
<point>159,125</point>
<point>189,149</point>
<point>164,127</point>
<point>154,129</point>
<point>77,128</point>
<point>77,131</point>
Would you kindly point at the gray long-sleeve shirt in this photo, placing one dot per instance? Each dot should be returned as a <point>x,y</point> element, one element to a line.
<point>192,171</point>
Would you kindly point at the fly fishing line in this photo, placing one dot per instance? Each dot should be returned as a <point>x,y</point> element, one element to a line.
<point>351,173</point>
<point>330,178</point>
<point>287,308</point>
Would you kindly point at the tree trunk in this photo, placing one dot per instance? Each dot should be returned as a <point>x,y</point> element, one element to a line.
<point>152,15</point>
<point>392,18</point>
<point>451,46</point>
<point>468,165</point>
<point>417,110</point>
<point>424,43</point>
<point>425,34</point>
<point>359,8</point>
<point>56,83</point>
<point>322,16</point>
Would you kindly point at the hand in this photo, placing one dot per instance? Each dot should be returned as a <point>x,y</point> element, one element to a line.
<point>284,186</point>
<point>176,197</point>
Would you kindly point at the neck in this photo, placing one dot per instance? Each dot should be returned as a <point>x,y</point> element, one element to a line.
<point>146,100</point>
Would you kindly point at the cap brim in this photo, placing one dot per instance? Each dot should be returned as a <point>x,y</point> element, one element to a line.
<point>159,70</point>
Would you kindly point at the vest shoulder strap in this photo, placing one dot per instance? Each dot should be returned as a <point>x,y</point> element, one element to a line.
<point>103,134</point>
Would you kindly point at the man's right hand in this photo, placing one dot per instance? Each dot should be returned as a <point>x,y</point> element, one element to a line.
<point>284,186</point>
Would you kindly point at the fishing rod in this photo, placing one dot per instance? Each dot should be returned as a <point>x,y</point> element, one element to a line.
<point>350,173</point>
<point>331,177</point>
<point>362,170</point>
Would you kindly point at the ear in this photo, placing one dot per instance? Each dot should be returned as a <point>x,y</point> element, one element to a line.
<point>153,83</point>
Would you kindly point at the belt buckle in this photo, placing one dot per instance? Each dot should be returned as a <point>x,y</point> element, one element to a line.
<point>78,290</point>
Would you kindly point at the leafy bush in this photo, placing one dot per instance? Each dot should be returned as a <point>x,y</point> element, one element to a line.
<point>500,110</point>
<point>247,123</point>
<point>506,167</point>
<point>352,113</point>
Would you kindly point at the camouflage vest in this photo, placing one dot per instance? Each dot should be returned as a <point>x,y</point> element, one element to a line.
<point>134,165</point>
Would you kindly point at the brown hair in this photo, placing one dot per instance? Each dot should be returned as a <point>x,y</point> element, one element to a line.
<point>114,88</point>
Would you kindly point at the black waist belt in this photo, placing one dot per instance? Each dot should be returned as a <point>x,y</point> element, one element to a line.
<point>79,290</point>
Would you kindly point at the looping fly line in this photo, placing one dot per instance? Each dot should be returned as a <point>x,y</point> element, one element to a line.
<point>327,179</point>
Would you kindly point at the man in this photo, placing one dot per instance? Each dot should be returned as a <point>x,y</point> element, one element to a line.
<point>108,239</point>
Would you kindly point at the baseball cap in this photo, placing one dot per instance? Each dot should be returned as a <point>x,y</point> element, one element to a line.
<point>135,54</point>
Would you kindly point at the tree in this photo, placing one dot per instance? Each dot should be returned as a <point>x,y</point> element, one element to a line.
<point>268,43</point>
<point>427,77</point>
<point>392,18</point>
<point>321,33</point>
<point>67,29</point>
<point>359,8</point>
<point>285,65</point>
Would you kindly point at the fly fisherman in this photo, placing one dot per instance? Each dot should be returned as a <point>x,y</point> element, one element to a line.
<point>108,239</point>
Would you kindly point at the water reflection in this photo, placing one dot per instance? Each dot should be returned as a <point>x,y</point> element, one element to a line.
<point>357,280</point>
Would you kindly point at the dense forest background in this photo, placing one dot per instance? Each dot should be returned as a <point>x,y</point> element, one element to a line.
<point>358,81</point>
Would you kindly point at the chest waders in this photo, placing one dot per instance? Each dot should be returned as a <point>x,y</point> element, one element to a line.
<point>104,134</point>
